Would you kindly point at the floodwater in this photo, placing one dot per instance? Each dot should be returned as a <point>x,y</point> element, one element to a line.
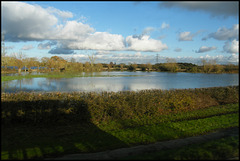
<point>122,81</point>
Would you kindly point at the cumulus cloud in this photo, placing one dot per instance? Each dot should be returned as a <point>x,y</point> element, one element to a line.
<point>178,50</point>
<point>26,22</point>
<point>165,25</point>
<point>148,30</point>
<point>46,45</point>
<point>62,14</point>
<point>224,33</point>
<point>186,36</point>
<point>60,51</point>
<point>144,43</point>
<point>27,47</point>
<point>22,21</point>
<point>231,47</point>
<point>234,58</point>
<point>215,8</point>
<point>206,49</point>
<point>220,59</point>
<point>72,30</point>
<point>98,41</point>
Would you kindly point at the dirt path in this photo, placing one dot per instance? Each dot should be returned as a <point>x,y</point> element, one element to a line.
<point>141,149</point>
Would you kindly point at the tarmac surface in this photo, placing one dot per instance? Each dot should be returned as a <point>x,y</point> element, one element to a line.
<point>158,146</point>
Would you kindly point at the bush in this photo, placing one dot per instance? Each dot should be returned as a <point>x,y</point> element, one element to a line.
<point>83,107</point>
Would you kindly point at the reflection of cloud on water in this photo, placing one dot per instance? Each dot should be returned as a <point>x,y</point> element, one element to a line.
<point>94,84</point>
<point>109,84</point>
<point>152,80</point>
<point>141,86</point>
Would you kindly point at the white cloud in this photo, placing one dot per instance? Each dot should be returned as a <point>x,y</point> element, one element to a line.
<point>139,58</point>
<point>148,30</point>
<point>98,41</point>
<point>144,43</point>
<point>188,36</point>
<point>220,59</point>
<point>224,33</point>
<point>232,47</point>
<point>165,25</point>
<point>205,49</point>
<point>62,14</point>
<point>72,30</point>
<point>185,36</point>
<point>234,58</point>
<point>22,21</point>
<point>27,47</point>
<point>26,22</point>
<point>178,49</point>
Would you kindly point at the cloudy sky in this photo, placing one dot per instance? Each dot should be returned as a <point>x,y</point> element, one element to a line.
<point>124,31</point>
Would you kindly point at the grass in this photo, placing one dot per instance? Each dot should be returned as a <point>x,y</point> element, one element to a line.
<point>220,149</point>
<point>38,142</point>
<point>59,75</point>
<point>173,130</point>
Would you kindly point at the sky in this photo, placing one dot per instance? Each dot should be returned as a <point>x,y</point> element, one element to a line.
<point>123,31</point>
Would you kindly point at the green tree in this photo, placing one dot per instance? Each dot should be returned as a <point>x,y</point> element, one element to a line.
<point>132,67</point>
<point>99,67</point>
<point>194,70</point>
<point>57,63</point>
<point>143,67</point>
<point>149,66</point>
<point>171,65</point>
<point>87,66</point>
<point>121,66</point>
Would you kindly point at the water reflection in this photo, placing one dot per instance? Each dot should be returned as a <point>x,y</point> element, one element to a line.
<point>144,80</point>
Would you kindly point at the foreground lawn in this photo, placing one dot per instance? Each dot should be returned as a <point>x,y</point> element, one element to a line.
<point>42,141</point>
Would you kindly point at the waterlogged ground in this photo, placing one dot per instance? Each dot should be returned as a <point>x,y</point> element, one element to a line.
<point>118,81</point>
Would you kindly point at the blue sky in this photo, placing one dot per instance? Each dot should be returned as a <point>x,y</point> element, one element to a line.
<point>123,31</point>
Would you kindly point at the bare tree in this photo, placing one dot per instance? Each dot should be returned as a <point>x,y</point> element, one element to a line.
<point>3,53</point>
<point>19,60</point>
<point>92,59</point>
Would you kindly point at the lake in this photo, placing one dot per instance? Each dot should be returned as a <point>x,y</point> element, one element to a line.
<point>122,81</point>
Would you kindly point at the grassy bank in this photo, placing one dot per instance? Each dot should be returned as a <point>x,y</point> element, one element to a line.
<point>40,125</point>
<point>59,75</point>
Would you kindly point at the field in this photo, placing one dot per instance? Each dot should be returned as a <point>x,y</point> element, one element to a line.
<point>41,125</point>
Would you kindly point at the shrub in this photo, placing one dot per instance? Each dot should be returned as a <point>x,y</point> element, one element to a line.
<point>83,107</point>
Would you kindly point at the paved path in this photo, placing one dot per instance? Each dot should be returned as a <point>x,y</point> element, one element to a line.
<point>141,149</point>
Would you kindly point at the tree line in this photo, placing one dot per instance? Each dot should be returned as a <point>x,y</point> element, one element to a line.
<point>19,62</point>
